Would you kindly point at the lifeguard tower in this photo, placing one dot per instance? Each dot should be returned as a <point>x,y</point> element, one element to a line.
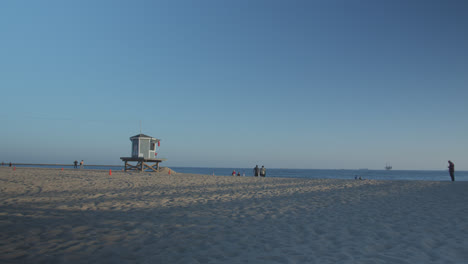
<point>144,152</point>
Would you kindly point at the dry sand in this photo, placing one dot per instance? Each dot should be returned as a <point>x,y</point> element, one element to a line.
<point>86,216</point>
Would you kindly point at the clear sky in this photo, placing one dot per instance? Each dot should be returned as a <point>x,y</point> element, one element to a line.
<point>285,84</point>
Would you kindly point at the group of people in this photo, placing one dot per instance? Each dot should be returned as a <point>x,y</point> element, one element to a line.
<point>238,173</point>
<point>75,164</point>
<point>257,172</point>
<point>3,164</point>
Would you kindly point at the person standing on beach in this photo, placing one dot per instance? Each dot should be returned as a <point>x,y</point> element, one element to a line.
<point>75,164</point>
<point>81,164</point>
<point>263,171</point>
<point>234,173</point>
<point>451,168</point>
<point>256,171</point>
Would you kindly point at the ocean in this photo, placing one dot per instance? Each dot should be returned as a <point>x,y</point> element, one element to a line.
<point>424,175</point>
<point>421,175</point>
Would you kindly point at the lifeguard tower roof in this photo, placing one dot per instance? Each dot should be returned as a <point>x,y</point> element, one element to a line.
<point>141,136</point>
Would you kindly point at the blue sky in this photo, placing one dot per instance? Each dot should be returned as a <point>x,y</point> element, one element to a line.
<point>286,84</point>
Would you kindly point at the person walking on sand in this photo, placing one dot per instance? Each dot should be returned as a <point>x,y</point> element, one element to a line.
<point>234,173</point>
<point>75,164</point>
<point>81,164</point>
<point>263,171</point>
<point>256,171</point>
<point>451,168</point>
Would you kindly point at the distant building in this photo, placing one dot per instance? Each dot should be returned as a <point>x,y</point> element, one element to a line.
<point>144,146</point>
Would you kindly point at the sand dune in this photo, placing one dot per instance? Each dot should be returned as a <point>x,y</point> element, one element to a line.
<point>88,216</point>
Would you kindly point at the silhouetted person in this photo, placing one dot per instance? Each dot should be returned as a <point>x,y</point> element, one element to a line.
<point>75,163</point>
<point>238,173</point>
<point>256,171</point>
<point>10,164</point>
<point>263,172</point>
<point>451,168</point>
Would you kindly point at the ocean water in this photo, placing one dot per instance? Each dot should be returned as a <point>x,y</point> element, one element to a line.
<point>421,175</point>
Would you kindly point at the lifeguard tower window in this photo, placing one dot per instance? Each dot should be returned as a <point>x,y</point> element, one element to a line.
<point>153,145</point>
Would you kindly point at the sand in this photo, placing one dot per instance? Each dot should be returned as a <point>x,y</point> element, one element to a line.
<point>88,216</point>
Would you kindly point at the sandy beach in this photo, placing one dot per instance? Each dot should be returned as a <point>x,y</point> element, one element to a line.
<point>89,216</point>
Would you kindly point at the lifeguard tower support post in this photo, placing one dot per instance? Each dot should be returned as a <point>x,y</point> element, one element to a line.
<point>144,152</point>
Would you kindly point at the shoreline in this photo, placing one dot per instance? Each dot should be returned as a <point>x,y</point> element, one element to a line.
<point>438,175</point>
<point>77,216</point>
<point>39,165</point>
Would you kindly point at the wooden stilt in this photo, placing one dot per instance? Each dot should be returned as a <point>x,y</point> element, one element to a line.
<point>142,164</point>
